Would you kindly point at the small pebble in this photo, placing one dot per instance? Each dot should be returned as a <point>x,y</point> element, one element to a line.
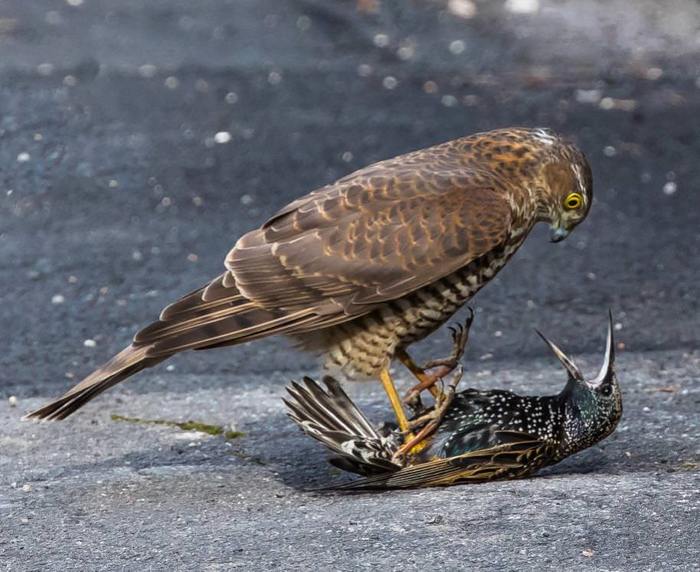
<point>23,157</point>
<point>390,82</point>
<point>222,137</point>
<point>406,52</point>
<point>522,6</point>
<point>27,488</point>
<point>430,87</point>
<point>462,8</point>
<point>148,70</point>
<point>654,73</point>
<point>588,95</point>
<point>274,77</point>
<point>303,23</point>
<point>45,69</point>
<point>381,40</point>
<point>90,343</point>
<point>364,70</point>
<point>670,188</point>
<point>58,299</point>
<point>457,46</point>
<point>12,400</point>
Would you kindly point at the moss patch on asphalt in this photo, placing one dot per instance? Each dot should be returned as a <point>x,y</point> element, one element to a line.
<point>216,430</point>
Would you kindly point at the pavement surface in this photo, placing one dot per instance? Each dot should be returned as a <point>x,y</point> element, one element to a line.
<point>139,140</point>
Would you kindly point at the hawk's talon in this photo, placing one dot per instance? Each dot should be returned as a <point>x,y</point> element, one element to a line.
<point>442,367</point>
<point>430,421</point>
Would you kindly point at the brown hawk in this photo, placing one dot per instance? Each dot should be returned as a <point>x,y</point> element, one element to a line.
<point>363,267</point>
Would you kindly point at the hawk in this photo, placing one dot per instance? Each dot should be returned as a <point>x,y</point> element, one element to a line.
<point>361,268</point>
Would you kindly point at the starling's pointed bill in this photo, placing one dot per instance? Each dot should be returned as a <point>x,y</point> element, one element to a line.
<point>570,366</point>
<point>607,369</point>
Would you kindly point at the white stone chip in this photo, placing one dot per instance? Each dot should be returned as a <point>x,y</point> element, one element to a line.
<point>222,137</point>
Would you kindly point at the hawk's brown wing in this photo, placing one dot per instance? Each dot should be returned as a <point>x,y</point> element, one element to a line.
<point>518,454</point>
<point>338,253</point>
<point>369,240</point>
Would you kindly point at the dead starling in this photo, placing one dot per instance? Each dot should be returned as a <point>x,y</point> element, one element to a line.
<point>484,435</point>
<point>363,267</point>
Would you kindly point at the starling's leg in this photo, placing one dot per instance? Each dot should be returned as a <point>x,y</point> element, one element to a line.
<point>430,421</point>
<point>440,367</point>
<point>395,401</point>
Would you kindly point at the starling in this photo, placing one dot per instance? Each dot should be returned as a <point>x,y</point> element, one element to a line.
<point>363,267</point>
<point>484,435</point>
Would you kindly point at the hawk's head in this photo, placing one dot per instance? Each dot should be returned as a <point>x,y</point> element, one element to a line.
<point>568,184</point>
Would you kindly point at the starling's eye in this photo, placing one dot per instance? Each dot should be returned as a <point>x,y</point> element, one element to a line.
<point>606,390</point>
<point>573,201</point>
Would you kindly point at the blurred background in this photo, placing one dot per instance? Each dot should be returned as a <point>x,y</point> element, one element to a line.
<point>139,140</point>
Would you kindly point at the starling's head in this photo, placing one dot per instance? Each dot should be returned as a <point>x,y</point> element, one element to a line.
<point>566,191</point>
<point>592,407</point>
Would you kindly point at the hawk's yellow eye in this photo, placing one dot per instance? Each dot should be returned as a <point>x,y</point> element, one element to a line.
<point>573,201</point>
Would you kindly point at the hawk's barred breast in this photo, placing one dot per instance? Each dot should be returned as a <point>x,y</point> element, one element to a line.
<point>363,347</point>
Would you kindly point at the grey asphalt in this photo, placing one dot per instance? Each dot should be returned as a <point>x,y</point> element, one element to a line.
<point>118,195</point>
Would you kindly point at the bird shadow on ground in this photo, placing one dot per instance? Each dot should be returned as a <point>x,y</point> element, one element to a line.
<point>275,447</point>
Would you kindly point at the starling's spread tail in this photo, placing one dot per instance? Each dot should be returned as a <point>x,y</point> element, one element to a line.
<point>125,363</point>
<point>330,417</point>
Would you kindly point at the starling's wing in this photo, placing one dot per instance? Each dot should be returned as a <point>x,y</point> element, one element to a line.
<point>332,418</point>
<point>516,455</point>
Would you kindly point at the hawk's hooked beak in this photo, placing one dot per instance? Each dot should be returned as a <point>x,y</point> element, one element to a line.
<point>558,233</point>
<point>607,369</point>
<point>574,371</point>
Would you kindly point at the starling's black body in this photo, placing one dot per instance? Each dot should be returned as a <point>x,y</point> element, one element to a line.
<point>483,435</point>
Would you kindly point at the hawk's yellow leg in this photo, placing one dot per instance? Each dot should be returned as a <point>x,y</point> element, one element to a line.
<point>395,400</point>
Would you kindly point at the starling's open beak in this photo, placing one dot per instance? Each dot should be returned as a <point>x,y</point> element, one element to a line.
<point>558,233</point>
<point>570,366</point>
<point>607,369</point>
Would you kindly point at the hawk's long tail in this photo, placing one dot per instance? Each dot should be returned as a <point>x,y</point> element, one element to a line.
<point>126,363</point>
<point>215,315</point>
<point>331,417</point>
